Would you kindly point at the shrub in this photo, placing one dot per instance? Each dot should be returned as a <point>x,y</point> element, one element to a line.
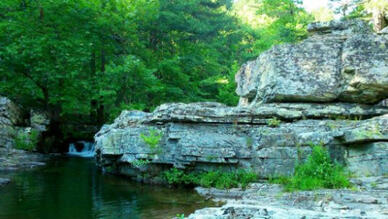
<point>274,122</point>
<point>318,171</point>
<point>27,140</point>
<point>140,163</point>
<point>152,140</point>
<point>217,178</point>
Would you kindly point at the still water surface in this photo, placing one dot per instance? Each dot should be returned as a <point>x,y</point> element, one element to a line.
<point>69,187</point>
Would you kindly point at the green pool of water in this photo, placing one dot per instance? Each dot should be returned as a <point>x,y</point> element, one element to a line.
<point>74,188</point>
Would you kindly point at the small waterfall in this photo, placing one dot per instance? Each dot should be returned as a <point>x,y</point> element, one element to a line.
<point>81,149</point>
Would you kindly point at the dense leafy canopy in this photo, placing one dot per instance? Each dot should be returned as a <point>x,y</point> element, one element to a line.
<point>97,57</point>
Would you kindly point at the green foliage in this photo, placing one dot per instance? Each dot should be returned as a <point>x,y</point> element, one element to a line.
<point>322,14</point>
<point>95,58</point>
<point>217,178</point>
<point>152,140</point>
<point>27,140</point>
<point>140,163</point>
<point>274,122</point>
<point>318,171</point>
<point>180,216</point>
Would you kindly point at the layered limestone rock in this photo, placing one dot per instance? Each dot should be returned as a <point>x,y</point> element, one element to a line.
<point>341,61</point>
<point>262,200</point>
<point>11,125</point>
<point>320,91</point>
<point>206,135</point>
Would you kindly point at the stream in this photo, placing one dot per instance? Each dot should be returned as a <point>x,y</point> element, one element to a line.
<point>73,187</point>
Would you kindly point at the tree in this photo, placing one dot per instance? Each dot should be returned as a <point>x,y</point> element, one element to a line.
<point>376,10</point>
<point>379,11</point>
<point>344,7</point>
<point>322,14</point>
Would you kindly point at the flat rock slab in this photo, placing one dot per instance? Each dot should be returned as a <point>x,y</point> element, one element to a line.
<point>12,159</point>
<point>262,200</point>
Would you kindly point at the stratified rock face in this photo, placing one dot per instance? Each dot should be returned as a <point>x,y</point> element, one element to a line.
<point>262,200</point>
<point>11,123</point>
<point>320,91</point>
<point>207,135</point>
<point>341,61</point>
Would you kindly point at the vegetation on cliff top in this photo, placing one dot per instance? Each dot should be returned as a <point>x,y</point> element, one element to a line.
<point>26,140</point>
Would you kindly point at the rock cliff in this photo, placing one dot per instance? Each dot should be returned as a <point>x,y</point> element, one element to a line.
<point>328,89</point>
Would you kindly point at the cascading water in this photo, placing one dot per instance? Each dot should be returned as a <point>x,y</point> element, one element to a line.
<point>86,149</point>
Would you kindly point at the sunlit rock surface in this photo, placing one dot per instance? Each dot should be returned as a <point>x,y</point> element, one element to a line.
<point>341,61</point>
<point>260,200</point>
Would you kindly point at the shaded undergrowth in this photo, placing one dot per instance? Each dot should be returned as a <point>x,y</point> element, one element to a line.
<point>215,178</point>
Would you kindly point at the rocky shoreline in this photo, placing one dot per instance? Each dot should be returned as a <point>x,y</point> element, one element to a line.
<point>367,199</point>
<point>12,159</point>
<point>12,124</point>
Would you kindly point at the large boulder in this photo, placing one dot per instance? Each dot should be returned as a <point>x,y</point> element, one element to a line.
<point>341,61</point>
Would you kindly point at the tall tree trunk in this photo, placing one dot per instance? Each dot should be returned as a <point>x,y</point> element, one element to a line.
<point>100,109</point>
<point>93,102</point>
<point>379,21</point>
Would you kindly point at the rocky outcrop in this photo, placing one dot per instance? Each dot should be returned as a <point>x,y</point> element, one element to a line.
<point>328,89</point>
<point>341,61</point>
<point>12,124</point>
<point>10,116</point>
<point>262,200</point>
<point>205,135</point>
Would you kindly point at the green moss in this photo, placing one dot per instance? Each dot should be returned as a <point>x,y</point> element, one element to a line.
<point>217,178</point>
<point>140,163</point>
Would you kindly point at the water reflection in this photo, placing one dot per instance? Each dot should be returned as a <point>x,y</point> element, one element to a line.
<point>74,188</point>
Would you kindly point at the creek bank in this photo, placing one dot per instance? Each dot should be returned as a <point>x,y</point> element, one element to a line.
<point>18,131</point>
<point>263,200</point>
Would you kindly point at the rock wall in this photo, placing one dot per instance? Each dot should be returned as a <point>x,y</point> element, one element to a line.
<point>324,90</point>
<point>10,116</point>
<point>12,123</point>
